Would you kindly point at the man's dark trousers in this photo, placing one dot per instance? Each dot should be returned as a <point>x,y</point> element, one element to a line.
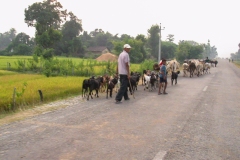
<point>123,91</point>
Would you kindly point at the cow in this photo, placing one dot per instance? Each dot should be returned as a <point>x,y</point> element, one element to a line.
<point>174,77</point>
<point>110,85</point>
<point>206,67</point>
<point>199,68</point>
<point>185,69</point>
<point>192,68</point>
<point>173,65</point>
<point>214,63</point>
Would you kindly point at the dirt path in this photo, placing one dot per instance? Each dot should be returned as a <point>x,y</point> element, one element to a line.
<point>39,109</point>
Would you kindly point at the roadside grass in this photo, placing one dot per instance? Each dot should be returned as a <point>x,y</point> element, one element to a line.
<point>237,63</point>
<point>53,88</point>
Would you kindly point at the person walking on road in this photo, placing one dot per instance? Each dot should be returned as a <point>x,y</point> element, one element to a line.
<point>207,60</point>
<point>123,69</point>
<point>163,77</point>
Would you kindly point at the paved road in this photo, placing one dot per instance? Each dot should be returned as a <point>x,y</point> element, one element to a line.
<point>198,119</point>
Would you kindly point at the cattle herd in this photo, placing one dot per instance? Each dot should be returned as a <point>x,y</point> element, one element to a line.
<point>198,67</point>
<point>150,78</point>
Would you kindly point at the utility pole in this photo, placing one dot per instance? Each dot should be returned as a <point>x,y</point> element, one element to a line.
<point>159,53</point>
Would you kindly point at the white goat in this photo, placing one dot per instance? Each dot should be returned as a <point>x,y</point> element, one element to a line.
<point>147,82</point>
<point>117,86</point>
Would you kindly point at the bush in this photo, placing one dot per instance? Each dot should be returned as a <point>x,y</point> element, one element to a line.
<point>48,53</point>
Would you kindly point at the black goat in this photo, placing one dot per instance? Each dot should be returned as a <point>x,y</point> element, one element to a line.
<point>110,85</point>
<point>94,84</point>
<point>153,80</point>
<point>133,85</point>
<point>174,77</point>
<point>136,77</point>
<point>85,87</point>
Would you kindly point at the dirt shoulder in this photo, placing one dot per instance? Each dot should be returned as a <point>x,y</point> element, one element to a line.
<point>39,109</point>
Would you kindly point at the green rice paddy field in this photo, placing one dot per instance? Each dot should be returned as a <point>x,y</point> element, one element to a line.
<point>53,88</point>
<point>27,85</point>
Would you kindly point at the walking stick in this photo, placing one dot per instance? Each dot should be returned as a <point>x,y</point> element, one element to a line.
<point>131,88</point>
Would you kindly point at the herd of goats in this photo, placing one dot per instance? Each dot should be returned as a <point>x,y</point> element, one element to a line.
<point>149,78</point>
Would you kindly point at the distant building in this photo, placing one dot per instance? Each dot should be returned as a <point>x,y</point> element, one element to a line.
<point>98,50</point>
<point>107,57</point>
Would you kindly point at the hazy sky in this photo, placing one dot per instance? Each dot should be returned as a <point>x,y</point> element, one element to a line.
<point>197,20</point>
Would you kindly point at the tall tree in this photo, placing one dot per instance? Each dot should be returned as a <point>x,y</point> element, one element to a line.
<point>12,33</point>
<point>188,50</point>
<point>49,38</point>
<point>70,43</point>
<point>86,39</point>
<point>153,40</point>
<point>142,38</point>
<point>209,51</point>
<point>46,17</point>
<point>168,49</point>
<point>170,37</point>
<point>98,38</point>
<point>96,32</point>
<point>238,50</point>
<point>72,28</point>
<point>21,45</point>
<point>236,56</point>
<point>48,14</point>
<point>6,38</point>
<point>136,54</point>
<point>182,51</point>
<point>125,37</point>
<point>101,39</point>
<point>76,47</point>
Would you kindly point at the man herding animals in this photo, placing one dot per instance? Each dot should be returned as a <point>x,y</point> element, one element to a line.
<point>123,70</point>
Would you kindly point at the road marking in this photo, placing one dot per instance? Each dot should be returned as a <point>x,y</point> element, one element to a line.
<point>205,88</point>
<point>160,155</point>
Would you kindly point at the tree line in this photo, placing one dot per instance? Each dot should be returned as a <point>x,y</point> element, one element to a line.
<point>236,55</point>
<point>60,33</point>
